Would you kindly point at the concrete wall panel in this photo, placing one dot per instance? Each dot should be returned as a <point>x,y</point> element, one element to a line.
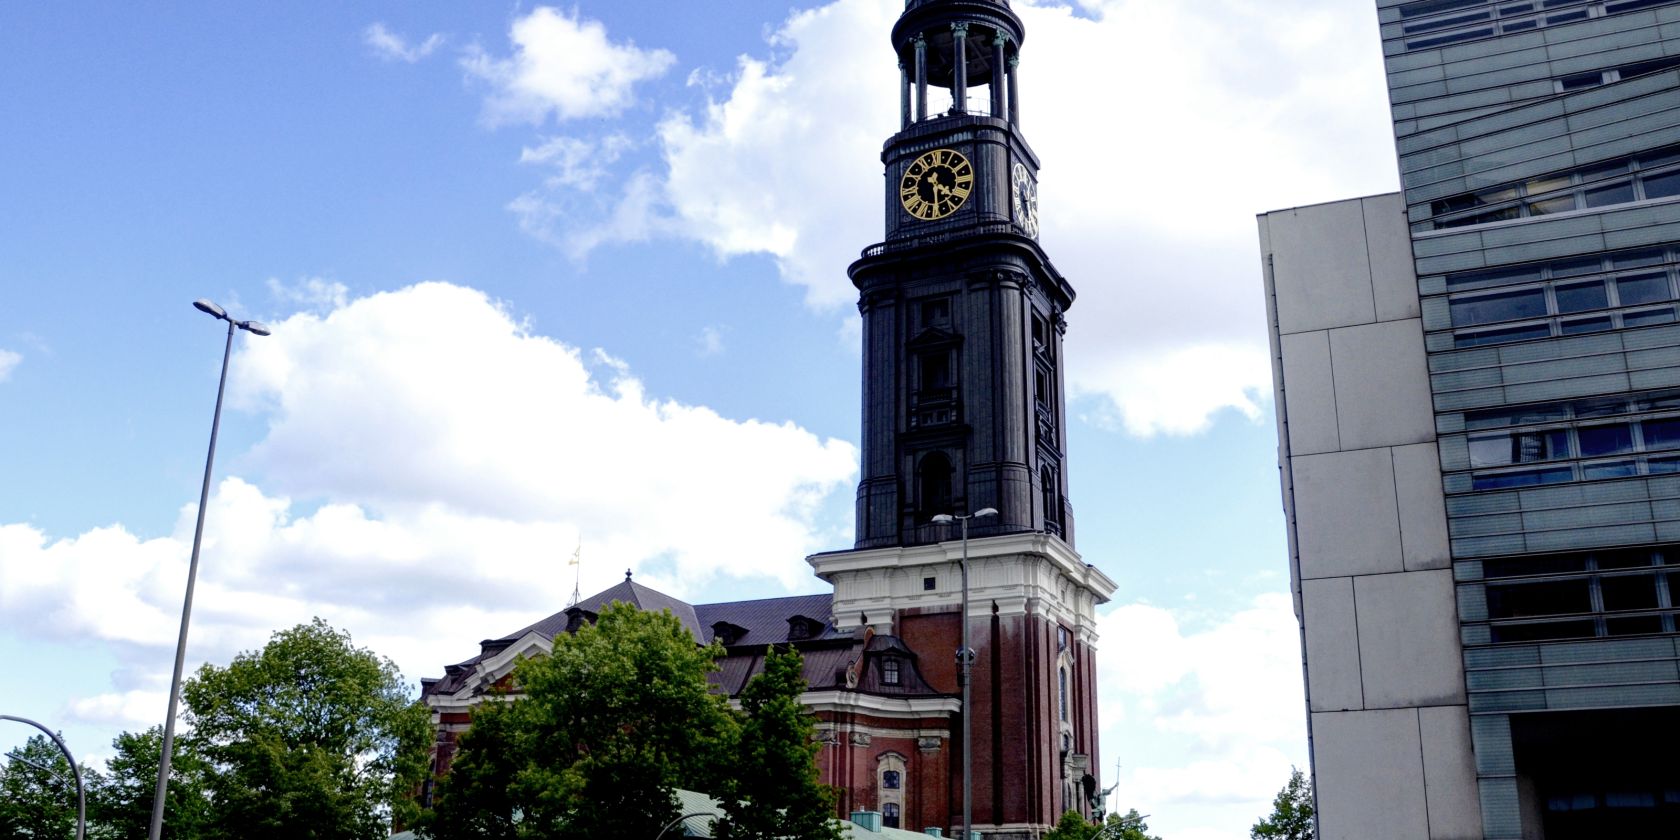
<point>1389,244</point>
<point>1408,640</point>
<point>1332,645</point>
<point>1449,774</point>
<point>1320,266</point>
<point>1423,525</point>
<point>1346,514</point>
<point>1382,385</point>
<point>1309,393</point>
<point>1369,775</point>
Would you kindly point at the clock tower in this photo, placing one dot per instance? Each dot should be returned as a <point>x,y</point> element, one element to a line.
<point>962,311</point>
<point>963,317</point>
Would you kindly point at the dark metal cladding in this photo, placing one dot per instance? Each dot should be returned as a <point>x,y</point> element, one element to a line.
<point>963,312</point>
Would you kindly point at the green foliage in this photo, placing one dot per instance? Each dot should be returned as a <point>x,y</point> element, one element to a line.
<point>1292,812</point>
<point>121,804</point>
<point>613,720</point>
<point>309,737</point>
<point>38,793</point>
<point>476,799</point>
<point>1127,826</point>
<point>771,790</point>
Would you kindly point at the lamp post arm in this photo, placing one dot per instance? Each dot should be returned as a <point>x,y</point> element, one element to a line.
<point>680,819</point>
<point>81,800</point>
<point>168,750</point>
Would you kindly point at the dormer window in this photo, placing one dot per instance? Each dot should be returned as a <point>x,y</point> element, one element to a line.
<point>889,671</point>
<point>576,618</point>
<point>800,628</point>
<point>727,633</point>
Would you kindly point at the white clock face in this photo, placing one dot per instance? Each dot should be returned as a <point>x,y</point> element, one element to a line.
<point>1025,191</point>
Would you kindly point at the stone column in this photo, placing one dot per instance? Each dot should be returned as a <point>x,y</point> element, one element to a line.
<point>904,116</point>
<point>959,71</point>
<point>1014,92</point>
<point>998,104</point>
<point>921,77</point>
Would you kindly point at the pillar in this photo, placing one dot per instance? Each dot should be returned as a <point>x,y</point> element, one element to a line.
<point>959,71</point>
<point>921,77</point>
<point>998,106</point>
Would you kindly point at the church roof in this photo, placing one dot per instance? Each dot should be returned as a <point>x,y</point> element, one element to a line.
<point>628,591</point>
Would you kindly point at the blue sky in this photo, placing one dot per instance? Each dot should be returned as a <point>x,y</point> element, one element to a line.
<point>541,273</point>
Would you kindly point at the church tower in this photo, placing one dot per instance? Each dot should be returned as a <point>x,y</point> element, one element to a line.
<point>962,311</point>
<point>963,318</point>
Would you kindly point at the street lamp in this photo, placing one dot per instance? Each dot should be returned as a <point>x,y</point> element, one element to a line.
<point>672,823</point>
<point>965,658</point>
<point>254,328</point>
<point>81,801</point>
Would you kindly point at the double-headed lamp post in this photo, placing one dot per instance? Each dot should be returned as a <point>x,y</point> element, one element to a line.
<point>254,328</point>
<point>965,658</point>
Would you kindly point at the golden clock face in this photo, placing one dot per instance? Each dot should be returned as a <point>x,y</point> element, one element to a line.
<point>936,184</point>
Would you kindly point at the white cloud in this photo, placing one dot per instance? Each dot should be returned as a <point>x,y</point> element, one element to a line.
<point>711,340</point>
<point>390,46</point>
<point>9,361</point>
<point>563,65</point>
<point>425,454</point>
<point>576,163</point>
<point>314,293</point>
<point>1207,721</point>
<point>1164,129</point>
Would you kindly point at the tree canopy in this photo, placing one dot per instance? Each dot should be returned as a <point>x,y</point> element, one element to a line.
<point>770,790</point>
<point>1127,826</point>
<point>120,804</point>
<point>309,737</point>
<point>38,792</point>
<point>1292,812</point>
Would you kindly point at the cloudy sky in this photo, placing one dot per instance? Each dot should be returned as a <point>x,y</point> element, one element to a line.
<point>540,275</point>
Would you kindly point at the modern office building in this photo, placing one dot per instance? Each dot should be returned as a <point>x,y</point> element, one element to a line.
<point>963,416</point>
<point>1478,401</point>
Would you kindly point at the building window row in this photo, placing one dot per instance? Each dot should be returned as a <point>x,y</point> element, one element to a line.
<point>1567,297</point>
<point>1581,81</point>
<point>1581,595</point>
<point>1649,176</point>
<point>1436,23</point>
<point>1597,448</point>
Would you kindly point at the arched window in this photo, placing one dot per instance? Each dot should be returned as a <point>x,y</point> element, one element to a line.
<point>889,671</point>
<point>889,815</point>
<point>933,486</point>
<point>890,793</point>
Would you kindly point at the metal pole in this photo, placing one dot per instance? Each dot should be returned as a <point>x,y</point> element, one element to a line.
<point>672,823</point>
<point>967,662</point>
<point>81,800</point>
<point>156,831</point>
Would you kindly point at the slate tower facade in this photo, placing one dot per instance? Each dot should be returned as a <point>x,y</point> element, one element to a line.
<point>962,311</point>
<point>963,318</point>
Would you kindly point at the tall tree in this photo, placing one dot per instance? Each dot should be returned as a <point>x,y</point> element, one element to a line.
<point>1292,812</point>
<point>38,792</point>
<point>477,800</point>
<point>620,715</point>
<point>122,802</point>
<point>309,737</point>
<point>770,790</point>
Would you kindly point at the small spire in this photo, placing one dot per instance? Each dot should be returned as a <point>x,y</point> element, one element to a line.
<point>626,574</point>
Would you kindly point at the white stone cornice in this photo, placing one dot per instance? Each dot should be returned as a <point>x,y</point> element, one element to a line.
<point>854,702</point>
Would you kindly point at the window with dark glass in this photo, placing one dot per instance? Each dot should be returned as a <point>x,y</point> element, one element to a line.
<point>1605,440</point>
<point>889,815</point>
<point>890,780</point>
<point>1634,289</point>
<point>933,485</point>
<point>1516,600</point>
<point>1062,691</point>
<point>889,671</point>
<point>934,368</point>
<point>1505,306</point>
<point>936,313</point>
